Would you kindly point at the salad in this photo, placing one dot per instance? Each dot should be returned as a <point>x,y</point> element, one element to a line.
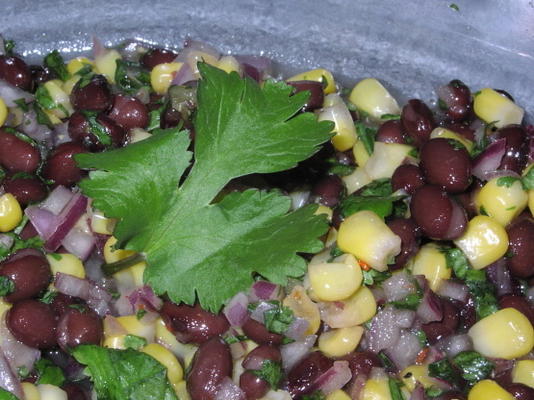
<point>191,225</point>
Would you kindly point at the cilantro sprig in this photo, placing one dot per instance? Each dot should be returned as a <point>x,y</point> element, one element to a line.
<point>195,248</point>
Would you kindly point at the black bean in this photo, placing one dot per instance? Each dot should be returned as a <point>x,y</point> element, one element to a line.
<point>259,333</point>
<point>61,168</point>
<point>16,72</point>
<point>302,376</point>
<point>328,191</point>
<point>515,157</point>
<point>418,121</point>
<point>315,89</point>
<point>94,96</point>
<point>391,132</point>
<point>407,177</point>
<point>521,248</point>
<point>79,326</point>
<point>128,112</point>
<point>33,323</point>
<point>17,155</point>
<point>157,56</point>
<point>26,189</point>
<point>30,274</point>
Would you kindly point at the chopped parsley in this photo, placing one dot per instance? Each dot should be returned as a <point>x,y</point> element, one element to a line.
<point>394,389</point>
<point>9,46</point>
<point>421,336</point>
<point>7,286</point>
<point>48,373</point>
<point>231,339</point>
<point>506,181</point>
<point>474,367</point>
<point>278,319</point>
<point>56,256</point>
<point>317,395</point>
<point>21,103</point>
<point>130,77</point>
<point>5,395</point>
<point>528,180</point>
<point>374,277</point>
<point>389,117</point>
<point>367,136</point>
<point>140,313</point>
<point>55,63</point>
<point>134,342</point>
<point>454,6</point>
<point>48,297</point>
<point>23,372</point>
<point>271,372</point>
<point>433,391</point>
<point>96,128</point>
<point>410,302</point>
<point>443,369</point>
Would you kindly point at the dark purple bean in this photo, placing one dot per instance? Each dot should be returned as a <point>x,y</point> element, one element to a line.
<point>157,56</point>
<point>62,302</point>
<point>94,96</point>
<point>447,326</point>
<point>16,155</point>
<point>192,324</point>
<point>362,362</point>
<point>391,132</point>
<point>328,191</point>
<point>315,89</point>
<point>466,201</point>
<point>418,121</point>
<point>260,354</point>
<point>16,72</point>
<point>41,75</point>
<point>77,327</point>
<point>128,112</point>
<point>407,230</point>
<point>445,164</point>
<point>26,189</point>
<point>515,157</point>
<point>253,386</point>
<point>211,364</point>
<point>345,157</point>
<point>170,118</point>
<point>302,376</point>
<point>251,71</point>
<point>75,392</point>
<point>61,167</point>
<point>30,274</point>
<point>521,248</point>
<point>259,333</point>
<point>79,131</point>
<point>468,315</point>
<point>459,101</point>
<point>33,323</point>
<point>407,177</point>
<point>431,209</point>
<point>520,391</point>
<point>520,303</point>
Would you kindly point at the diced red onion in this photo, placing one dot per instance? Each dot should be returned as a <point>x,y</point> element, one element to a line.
<point>502,365</point>
<point>379,294</point>
<point>236,310</point>
<point>42,220</point>
<point>10,93</point>
<point>434,354</point>
<point>201,46</point>
<point>78,243</point>
<point>455,344</point>
<point>386,326</point>
<point>122,306</point>
<point>35,130</point>
<point>113,327</point>
<point>297,329</point>
<point>264,65</point>
<point>418,393</point>
<point>429,309</point>
<point>8,379</point>
<point>405,350</point>
<point>446,94</point>
<point>228,390</point>
<point>502,172</point>
<point>253,362</point>
<point>263,290</point>
<point>334,378</point>
<point>357,386</point>
<point>61,133</point>
<point>146,298</point>
<point>262,306</point>
<point>16,353</point>
<point>96,297</point>
<point>500,276</point>
<point>183,75</point>
<point>57,200</point>
<point>457,223</point>
<point>6,241</point>
<point>453,290</point>
<point>489,160</point>
<point>398,286</point>
<point>292,353</point>
<point>531,149</point>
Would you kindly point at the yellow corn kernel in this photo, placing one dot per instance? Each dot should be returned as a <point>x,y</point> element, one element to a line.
<point>430,262</point>
<point>385,159</point>
<point>162,74</point>
<point>77,64</point>
<point>448,134</point>
<point>358,179</point>
<point>414,374</point>
<point>491,106</point>
<point>361,156</point>
<point>51,392</point>
<point>321,209</point>
<point>488,390</point>
<point>69,84</point>
<point>54,119</point>
<point>366,236</point>
<point>338,342</point>
<point>302,307</point>
<point>114,342</point>
<point>4,306</point>
<point>138,134</point>
<point>229,64</point>
<point>345,132</point>
<point>112,255</point>
<point>180,389</point>
<point>317,75</point>
<point>30,391</point>
<point>371,97</point>
<point>3,112</point>
<point>483,242</point>
<point>138,327</point>
<point>184,352</point>
<point>523,372</point>
<point>106,64</point>
<point>60,98</point>
<point>101,224</point>
<point>506,334</point>
<point>355,310</point>
<point>376,389</point>
<point>175,372</point>
<point>502,199</point>
<point>335,281</point>
<point>10,212</point>
<point>66,264</point>
<point>17,115</point>
<point>338,395</point>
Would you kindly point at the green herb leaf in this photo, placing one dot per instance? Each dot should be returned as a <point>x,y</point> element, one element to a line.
<point>240,129</point>
<point>140,313</point>
<point>386,362</point>
<point>454,6</point>
<point>9,46</point>
<point>21,103</point>
<point>96,128</point>
<point>124,374</point>
<point>5,395</point>
<point>317,395</point>
<point>134,342</point>
<point>528,180</point>
<point>506,181</point>
<point>367,136</point>
<point>443,369</point>
<point>271,372</point>
<point>42,118</point>
<point>55,62</point>
<point>394,389</point>
<point>130,77</point>
<point>231,339</point>
<point>389,117</point>
<point>374,277</point>
<point>378,187</point>
<point>7,286</point>
<point>410,302</point>
<point>457,261</point>
<point>278,319</point>
<point>421,335</point>
<point>44,99</point>
<point>474,366</point>
<point>433,391</point>
<point>56,256</point>
<point>49,373</point>
<point>48,297</point>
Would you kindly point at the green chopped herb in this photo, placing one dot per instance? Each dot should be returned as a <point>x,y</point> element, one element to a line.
<point>378,187</point>
<point>512,208</point>
<point>80,307</point>
<point>414,153</point>
<point>231,339</point>
<point>9,46</point>
<point>134,342</point>
<point>410,302</point>
<point>7,286</point>
<point>483,211</point>
<point>130,77</point>
<point>386,362</point>
<point>389,117</point>
<point>48,297</point>
<point>96,128</point>
<point>528,180</point>
<point>442,105</point>
<point>42,117</point>
<point>48,373</point>
<point>456,144</point>
<point>317,395</point>
<point>278,319</point>
<point>21,103</point>
<point>336,252</point>
<point>474,367</point>
<point>367,136</point>
<point>443,369</point>
<point>454,6</point>
<point>480,146</point>
<point>374,277</point>
<point>271,372</point>
<point>87,69</point>
<point>5,395</point>
<point>506,181</point>
<point>421,336</point>
<point>457,261</point>
<point>31,243</point>
<point>155,118</point>
<point>394,389</point>
<point>55,62</point>
<point>44,99</point>
<point>140,313</point>
<point>56,256</point>
<point>434,391</point>
<point>23,372</point>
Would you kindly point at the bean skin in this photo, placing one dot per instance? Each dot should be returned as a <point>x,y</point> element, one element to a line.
<point>79,327</point>
<point>79,131</point>
<point>192,324</point>
<point>259,333</point>
<point>515,156</point>
<point>30,274</point>
<point>328,191</point>
<point>408,231</point>
<point>95,96</point>
<point>26,189</point>
<point>362,362</point>
<point>521,242</point>
<point>61,167</point>
<point>41,75</point>
<point>391,132</point>
<point>459,103</point>
<point>407,177</point>
<point>33,323</point>
<point>74,391</point>
<point>418,121</point>
<point>16,155</point>
<point>211,364</point>
<point>128,112</point>
<point>302,376</point>
<point>315,89</point>
<point>520,391</point>
<point>62,302</point>
<point>253,386</point>
<point>435,220</point>
<point>439,329</point>
<point>262,352</point>
<point>16,72</point>
<point>461,129</point>
<point>157,56</point>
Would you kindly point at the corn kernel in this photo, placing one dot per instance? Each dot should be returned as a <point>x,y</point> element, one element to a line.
<point>502,199</point>
<point>138,327</point>
<point>506,334</point>
<point>321,209</point>
<point>106,64</point>
<point>4,306</point>
<point>335,281</point>
<point>60,98</point>
<point>77,64</point>
<point>229,64</point>
<point>180,389</point>
<point>430,262</point>
<point>112,255</point>
<point>175,372</point>
<point>448,134</point>
<point>184,352</point>
<point>101,224</point>
<point>17,115</point>
<point>162,75</point>
<point>338,395</point>
<point>483,242</point>
<point>523,372</point>
<point>414,374</point>
<point>361,156</point>
<point>10,212</point>
<point>30,391</point>
<point>114,342</point>
<point>385,159</point>
<point>491,106</point>
<point>317,75</point>
<point>339,342</point>
<point>376,389</point>
<point>302,307</point>
<point>488,390</point>
<point>366,236</point>
<point>69,84</point>
<point>345,132</point>
<point>138,134</point>
<point>3,112</point>
<point>372,98</point>
<point>358,179</point>
<point>54,119</point>
<point>355,310</point>
<point>51,392</point>
<point>66,264</point>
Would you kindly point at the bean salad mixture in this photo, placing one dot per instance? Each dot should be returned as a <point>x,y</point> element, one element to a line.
<point>185,224</point>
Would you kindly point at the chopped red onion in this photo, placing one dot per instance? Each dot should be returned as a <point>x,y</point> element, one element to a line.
<point>446,94</point>
<point>434,354</point>
<point>502,172</point>
<point>6,241</point>
<point>530,295</point>
<point>418,393</point>
<point>430,308</point>
<point>489,160</point>
<point>455,344</point>
<point>253,362</point>
<point>236,310</point>
<point>379,294</point>
<point>98,47</point>
<point>386,326</point>
<point>292,353</point>
<point>263,290</point>
<point>96,297</point>
<point>297,329</point>
<point>405,350</point>
<point>357,386</point>
<point>262,64</point>
<point>61,133</point>
<point>10,93</point>
<point>42,220</point>
<point>144,297</point>
<point>31,127</point>
<point>454,290</point>
<point>334,378</point>
<point>398,286</point>
<point>299,198</point>
<point>78,243</point>
<point>531,148</point>
<point>57,200</point>
<point>257,313</point>
<point>201,46</point>
<point>113,327</point>
<point>183,75</point>
<point>16,353</point>
<point>8,378</point>
<point>228,390</point>
<point>457,223</point>
<point>500,276</point>
<point>123,306</point>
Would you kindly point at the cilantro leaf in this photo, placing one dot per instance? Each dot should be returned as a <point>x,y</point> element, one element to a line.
<point>7,286</point>
<point>528,179</point>
<point>134,342</point>
<point>443,370</point>
<point>196,248</point>
<point>278,319</point>
<point>374,277</point>
<point>49,373</point>
<point>457,261</point>
<point>394,389</point>
<point>367,136</point>
<point>55,62</point>
<point>5,395</point>
<point>271,372</point>
<point>474,366</point>
<point>410,302</point>
<point>375,196</point>
<point>506,181</point>
<point>317,395</point>
<point>124,374</point>
<point>389,117</point>
<point>96,128</point>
